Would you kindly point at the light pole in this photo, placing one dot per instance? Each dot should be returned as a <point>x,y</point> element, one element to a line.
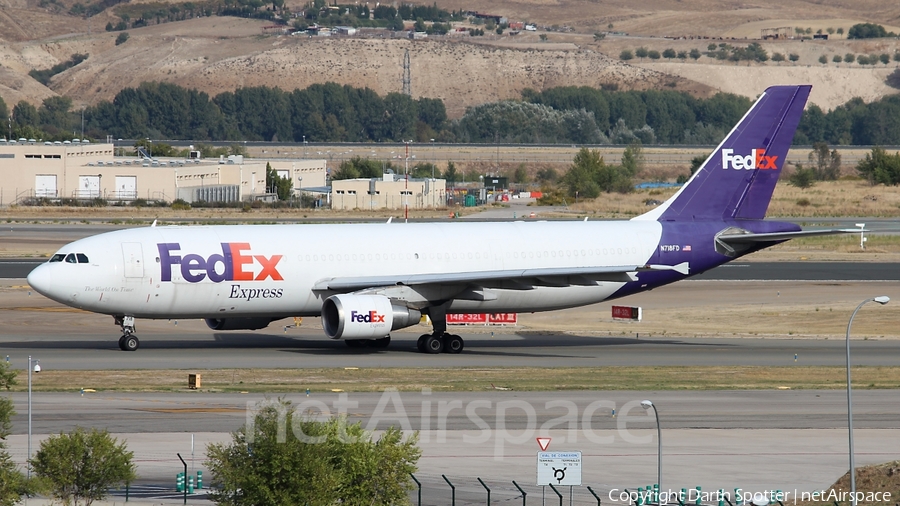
<point>37,369</point>
<point>433,160</point>
<point>882,299</point>
<point>646,404</point>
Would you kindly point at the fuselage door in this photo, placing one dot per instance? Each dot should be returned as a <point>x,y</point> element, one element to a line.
<point>134,259</point>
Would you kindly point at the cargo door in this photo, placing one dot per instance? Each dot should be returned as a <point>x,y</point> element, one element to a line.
<point>134,260</point>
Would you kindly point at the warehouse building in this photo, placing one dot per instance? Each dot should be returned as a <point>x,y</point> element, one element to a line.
<point>388,193</point>
<point>83,170</point>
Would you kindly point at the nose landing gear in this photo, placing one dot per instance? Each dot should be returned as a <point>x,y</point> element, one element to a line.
<point>128,341</point>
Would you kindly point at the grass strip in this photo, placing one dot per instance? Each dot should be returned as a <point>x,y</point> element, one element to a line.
<point>471,379</point>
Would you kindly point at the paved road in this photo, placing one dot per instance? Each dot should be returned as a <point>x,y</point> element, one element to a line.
<point>192,346</point>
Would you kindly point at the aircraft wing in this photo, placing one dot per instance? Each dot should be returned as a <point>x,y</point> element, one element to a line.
<point>551,276</point>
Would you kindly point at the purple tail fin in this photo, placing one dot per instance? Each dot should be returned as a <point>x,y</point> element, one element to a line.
<point>738,178</point>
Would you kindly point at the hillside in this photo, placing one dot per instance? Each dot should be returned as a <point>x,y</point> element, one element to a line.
<point>220,53</point>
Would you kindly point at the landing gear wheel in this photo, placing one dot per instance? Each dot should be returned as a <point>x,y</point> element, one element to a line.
<point>382,343</point>
<point>453,343</point>
<point>129,342</point>
<point>355,343</point>
<point>420,344</point>
<point>433,344</point>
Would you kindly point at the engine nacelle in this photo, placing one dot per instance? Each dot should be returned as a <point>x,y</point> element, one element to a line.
<point>238,323</point>
<point>364,316</point>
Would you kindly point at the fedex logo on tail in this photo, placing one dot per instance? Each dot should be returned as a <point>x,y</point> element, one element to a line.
<point>236,263</point>
<point>370,317</point>
<point>757,159</point>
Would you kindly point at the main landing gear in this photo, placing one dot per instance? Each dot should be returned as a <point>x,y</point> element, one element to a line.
<point>128,341</point>
<point>434,343</point>
<point>440,340</point>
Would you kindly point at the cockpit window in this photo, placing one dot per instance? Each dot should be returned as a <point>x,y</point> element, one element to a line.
<point>70,259</point>
<point>82,258</point>
<point>57,257</point>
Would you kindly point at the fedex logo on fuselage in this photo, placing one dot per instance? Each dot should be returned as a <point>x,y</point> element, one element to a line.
<point>370,317</point>
<point>234,264</point>
<point>757,159</point>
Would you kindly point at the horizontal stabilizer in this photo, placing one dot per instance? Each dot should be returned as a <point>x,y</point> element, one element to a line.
<point>751,238</point>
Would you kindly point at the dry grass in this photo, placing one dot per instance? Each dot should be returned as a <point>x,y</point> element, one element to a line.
<point>472,379</point>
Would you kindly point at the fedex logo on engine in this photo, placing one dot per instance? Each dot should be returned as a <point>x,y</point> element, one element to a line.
<point>757,159</point>
<point>370,317</point>
<point>236,263</point>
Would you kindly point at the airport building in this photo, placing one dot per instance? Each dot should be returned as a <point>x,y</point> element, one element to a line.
<point>82,170</point>
<point>388,192</point>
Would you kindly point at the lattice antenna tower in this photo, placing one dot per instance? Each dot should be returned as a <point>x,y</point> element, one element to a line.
<point>407,90</point>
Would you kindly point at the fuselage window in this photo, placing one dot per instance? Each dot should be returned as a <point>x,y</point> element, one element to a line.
<point>82,258</point>
<point>57,257</point>
<point>70,259</point>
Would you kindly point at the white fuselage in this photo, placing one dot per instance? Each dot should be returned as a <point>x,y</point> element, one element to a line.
<point>271,270</point>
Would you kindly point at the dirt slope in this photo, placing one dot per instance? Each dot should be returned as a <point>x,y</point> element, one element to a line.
<point>219,54</point>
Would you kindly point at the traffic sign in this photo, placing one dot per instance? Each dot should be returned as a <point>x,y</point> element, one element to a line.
<point>559,468</point>
<point>543,442</point>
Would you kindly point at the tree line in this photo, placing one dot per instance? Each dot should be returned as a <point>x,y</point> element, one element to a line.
<point>331,112</point>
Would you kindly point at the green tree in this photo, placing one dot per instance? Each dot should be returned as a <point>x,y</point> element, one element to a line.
<point>626,55</point>
<point>830,30</point>
<point>12,483</point>
<point>633,159</point>
<point>4,111</point>
<point>653,54</point>
<point>803,177</point>
<point>885,58</point>
<point>520,175</point>
<point>849,57</point>
<point>547,175</point>
<point>122,38</point>
<point>598,36</point>
<point>82,466</point>
<point>669,53</point>
<point>589,175</point>
<point>867,31</point>
<point>823,59</point>
<point>281,186</point>
<point>451,175</point>
<point>695,54</point>
<point>879,167</point>
<point>826,164</point>
<point>777,57</point>
<point>837,58</point>
<point>840,31</point>
<point>641,52</point>
<point>283,459</point>
<point>897,56</point>
<point>793,57</point>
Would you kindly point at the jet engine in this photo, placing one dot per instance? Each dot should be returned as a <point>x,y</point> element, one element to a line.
<point>238,323</point>
<point>364,316</point>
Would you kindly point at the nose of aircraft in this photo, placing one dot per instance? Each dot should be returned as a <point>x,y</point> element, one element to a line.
<point>41,280</point>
